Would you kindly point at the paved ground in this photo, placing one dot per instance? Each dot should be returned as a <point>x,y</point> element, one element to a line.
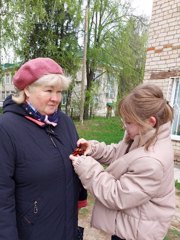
<point>94,234</point>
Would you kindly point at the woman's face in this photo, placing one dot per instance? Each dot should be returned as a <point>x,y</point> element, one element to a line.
<point>44,98</point>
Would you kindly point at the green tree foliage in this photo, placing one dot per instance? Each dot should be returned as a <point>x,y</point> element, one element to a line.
<point>47,28</point>
<point>116,39</point>
<point>115,44</point>
<point>127,54</point>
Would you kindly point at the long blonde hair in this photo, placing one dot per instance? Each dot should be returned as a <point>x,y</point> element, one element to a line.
<point>52,79</point>
<point>145,101</point>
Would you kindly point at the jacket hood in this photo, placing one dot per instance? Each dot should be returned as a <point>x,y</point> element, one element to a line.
<point>10,106</point>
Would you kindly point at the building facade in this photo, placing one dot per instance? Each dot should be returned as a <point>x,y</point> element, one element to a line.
<point>163,58</point>
<point>104,94</point>
<point>6,86</point>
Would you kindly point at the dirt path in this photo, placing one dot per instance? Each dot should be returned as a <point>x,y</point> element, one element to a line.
<point>84,221</point>
<point>90,233</point>
<point>176,218</point>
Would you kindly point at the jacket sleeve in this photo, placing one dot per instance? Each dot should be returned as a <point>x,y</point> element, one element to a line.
<point>131,189</point>
<point>8,230</point>
<point>106,154</point>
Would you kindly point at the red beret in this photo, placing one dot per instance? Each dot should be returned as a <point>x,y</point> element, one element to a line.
<point>33,70</point>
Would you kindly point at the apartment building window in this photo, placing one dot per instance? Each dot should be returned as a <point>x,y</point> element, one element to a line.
<point>64,98</point>
<point>3,95</point>
<point>7,79</point>
<point>98,74</point>
<point>110,92</point>
<point>174,88</point>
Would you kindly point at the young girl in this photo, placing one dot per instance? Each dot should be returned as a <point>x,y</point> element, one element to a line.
<point>135,196</point>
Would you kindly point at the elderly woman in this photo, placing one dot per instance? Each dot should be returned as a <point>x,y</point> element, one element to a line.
<point>39,190</point>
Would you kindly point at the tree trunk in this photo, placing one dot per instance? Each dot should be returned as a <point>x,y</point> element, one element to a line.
<point>84,66</point>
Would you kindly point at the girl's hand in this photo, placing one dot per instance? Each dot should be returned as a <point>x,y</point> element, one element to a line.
<point>84,145</point>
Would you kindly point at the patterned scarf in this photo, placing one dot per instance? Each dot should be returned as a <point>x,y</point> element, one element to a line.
<point>44,119</point>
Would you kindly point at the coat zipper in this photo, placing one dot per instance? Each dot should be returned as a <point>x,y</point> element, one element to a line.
<point>35,207</point>
<point>52,140</point>
<point>50,133</point>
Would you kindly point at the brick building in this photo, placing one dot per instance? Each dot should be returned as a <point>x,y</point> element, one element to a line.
<point>163,58</point>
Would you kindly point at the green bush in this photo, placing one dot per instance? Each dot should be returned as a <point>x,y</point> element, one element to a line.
<point>177,184</point>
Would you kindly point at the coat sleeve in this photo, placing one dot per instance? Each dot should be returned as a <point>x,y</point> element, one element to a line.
<point>8,230</point>
<point>131,189</point>
<point>82,197</point>
<point>106,154</point>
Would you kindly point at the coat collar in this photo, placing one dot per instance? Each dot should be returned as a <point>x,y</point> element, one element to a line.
<point>164,131</point>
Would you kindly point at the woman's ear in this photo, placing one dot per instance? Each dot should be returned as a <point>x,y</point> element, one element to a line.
<point>152,121</point>
<point>26,91</point>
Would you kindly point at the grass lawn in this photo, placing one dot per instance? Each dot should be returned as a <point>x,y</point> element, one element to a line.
<point>173,234</point>
<point>109,130</point>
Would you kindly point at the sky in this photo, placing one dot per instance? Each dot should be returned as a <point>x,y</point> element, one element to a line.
<point>143,7</point>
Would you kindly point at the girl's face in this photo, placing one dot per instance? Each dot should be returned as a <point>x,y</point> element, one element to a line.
<point>132,129</point>
<point>44,98</point>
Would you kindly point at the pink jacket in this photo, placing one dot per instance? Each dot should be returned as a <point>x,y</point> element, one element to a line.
<point>135,194</point>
